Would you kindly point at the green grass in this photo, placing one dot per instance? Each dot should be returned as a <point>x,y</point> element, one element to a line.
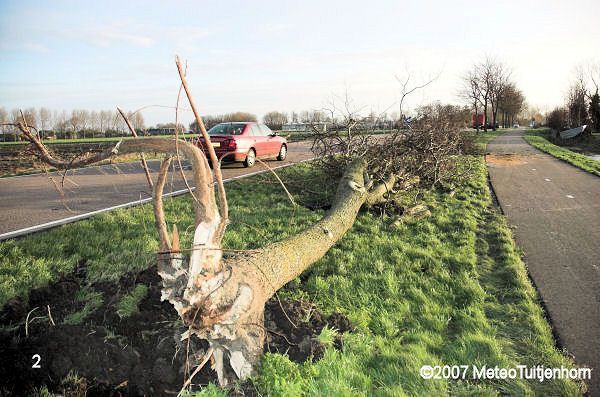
<point>447,289</point>
<point>129,303</point>
<point>90,299</point>
<point>537,138</point>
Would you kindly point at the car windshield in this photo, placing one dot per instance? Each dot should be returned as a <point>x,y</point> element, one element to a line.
<point>227,129</point>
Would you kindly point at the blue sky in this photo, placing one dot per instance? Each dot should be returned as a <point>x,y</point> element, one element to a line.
<point>273,55</point>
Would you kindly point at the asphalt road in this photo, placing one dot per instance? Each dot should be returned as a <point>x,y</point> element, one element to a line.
<point>31,200</point>
<point>554,209</point>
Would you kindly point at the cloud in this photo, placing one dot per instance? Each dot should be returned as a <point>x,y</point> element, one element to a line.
<point>27,46</point>
<point>36,47</point>
<point>187,39</point>
<point>107,36</point>
<point>274,27</point>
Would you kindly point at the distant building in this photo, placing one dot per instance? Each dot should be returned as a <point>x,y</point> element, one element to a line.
<point>305,127</point>
<point>164,131</point>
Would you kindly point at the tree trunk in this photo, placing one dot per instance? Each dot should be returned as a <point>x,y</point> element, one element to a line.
<point>485,118</point>
<point>476,117</point>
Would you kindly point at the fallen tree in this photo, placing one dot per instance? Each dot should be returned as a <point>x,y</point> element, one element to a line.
<point>222,299</point>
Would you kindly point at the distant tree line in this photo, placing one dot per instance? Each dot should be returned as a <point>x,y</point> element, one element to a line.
<point>275,120</point>
<point>79,123</point>
<point>212,120</point>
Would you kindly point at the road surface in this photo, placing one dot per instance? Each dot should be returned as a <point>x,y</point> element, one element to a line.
<point>31,200</point>
<point>554,210</point>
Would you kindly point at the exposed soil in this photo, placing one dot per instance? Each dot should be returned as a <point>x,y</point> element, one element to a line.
<point>138,355</point>
<point>505,159</point>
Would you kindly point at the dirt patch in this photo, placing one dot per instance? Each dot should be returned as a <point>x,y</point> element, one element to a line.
<point>293,326</point>
<point>138,355</point>
<point>506,160</point>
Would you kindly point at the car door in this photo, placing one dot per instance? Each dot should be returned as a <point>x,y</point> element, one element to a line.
<point>260,142</point>
<point>271,142</point>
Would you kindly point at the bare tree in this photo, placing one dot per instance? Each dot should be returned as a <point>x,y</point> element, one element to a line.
<point>577,104</point>
<point>275,120</point>
<point>471,93</point>
<point>45,119</point>
<point>137,120</point>
<point>487,73</point>
<point>118,125</point>
<point>239,116</point>
<point>15,117</point>
<point>105,120</point>
<point>593,72</point>
<point>61,123</point>
<point>78,121</point>
<point>304,116</point>
<point>31,116</point>
<point>499,84</point>
<point>510,103</point>
<point>317,116</point>
<point>406,89</point>
<point>94,122</point>
<point>484,85</point>
<point>4,120</point>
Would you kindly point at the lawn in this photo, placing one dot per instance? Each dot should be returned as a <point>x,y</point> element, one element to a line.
<point>538,139</point>
<point>447,289</point>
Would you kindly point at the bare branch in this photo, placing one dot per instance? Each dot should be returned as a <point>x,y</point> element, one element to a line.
<point>142,156</point>
<point>159,215</point>
<point>211,151</point>
<point>187,185</point>
<point>280,182</point>
<point>407,91</point>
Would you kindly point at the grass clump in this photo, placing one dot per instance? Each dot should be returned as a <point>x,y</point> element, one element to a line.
<point>327,336</point>
<point>211,390</point>
<point>91,301</point>
<point>129,303</point>
<point>538,139</point>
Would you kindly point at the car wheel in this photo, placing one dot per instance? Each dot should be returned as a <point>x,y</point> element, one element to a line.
<point>282,153</point>
<point>250,158</point>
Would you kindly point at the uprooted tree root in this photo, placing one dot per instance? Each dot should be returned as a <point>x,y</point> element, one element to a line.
<point>141,354</point>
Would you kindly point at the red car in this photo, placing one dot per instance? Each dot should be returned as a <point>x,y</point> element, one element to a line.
<point>245,142</point>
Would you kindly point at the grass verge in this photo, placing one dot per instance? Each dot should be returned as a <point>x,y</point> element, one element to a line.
<point>448,289</point>
<point>537,138</point>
